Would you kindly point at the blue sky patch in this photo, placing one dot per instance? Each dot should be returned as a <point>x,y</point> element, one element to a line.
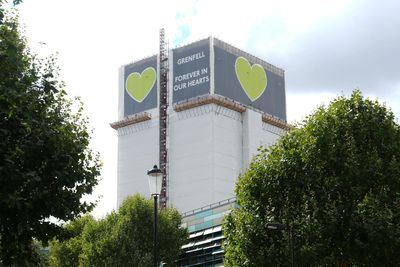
<point>184,33</point>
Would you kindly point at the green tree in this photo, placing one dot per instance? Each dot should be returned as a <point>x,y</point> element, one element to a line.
<point>2,10</point>
<point>66,253</point>
<point>46,165</point>
<point>123,238</point>
<point>336,180</point>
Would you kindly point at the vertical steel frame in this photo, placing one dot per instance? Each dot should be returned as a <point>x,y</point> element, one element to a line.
<point>163,118</point>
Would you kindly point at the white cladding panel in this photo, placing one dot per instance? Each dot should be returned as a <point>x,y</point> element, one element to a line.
<point>228,159</point>
<point>208,147</point>
<point>270,134</point>
<point>137,152</point>
<point>190,158</point>
<point>204,147</point>
<point>252,131</point>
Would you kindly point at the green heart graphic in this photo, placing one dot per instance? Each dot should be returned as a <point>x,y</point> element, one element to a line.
<point>252,78</point>
<point>139,85</point>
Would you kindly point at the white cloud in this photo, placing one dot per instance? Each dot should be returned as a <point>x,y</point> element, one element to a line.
<point>299,105</point>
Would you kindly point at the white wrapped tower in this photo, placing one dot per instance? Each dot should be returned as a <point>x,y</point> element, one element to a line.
<point>223,104</point>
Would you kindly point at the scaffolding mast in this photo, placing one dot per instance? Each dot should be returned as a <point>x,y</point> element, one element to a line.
<point>163,116</point>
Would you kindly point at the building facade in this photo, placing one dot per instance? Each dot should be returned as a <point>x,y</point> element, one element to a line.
<point>223,104</point>
<point>205,234</point>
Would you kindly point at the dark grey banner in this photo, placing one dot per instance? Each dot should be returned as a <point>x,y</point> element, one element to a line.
<point>250,84</point>
<point>140,86</point>
<point>191,71</point>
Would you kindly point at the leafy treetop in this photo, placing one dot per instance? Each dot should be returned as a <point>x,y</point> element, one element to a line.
<point>335,180</point>
<point>46,165</point>
<point>122,238</point>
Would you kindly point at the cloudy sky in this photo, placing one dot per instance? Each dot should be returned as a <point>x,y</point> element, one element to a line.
<point>326,48</point>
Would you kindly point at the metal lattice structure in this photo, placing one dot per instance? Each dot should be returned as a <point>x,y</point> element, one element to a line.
<point>163,116</point>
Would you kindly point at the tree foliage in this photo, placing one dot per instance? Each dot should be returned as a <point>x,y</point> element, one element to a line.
<point>335,180</point>
<point>123,238</point>
<point>2,10</point>
<point>46,165</point>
